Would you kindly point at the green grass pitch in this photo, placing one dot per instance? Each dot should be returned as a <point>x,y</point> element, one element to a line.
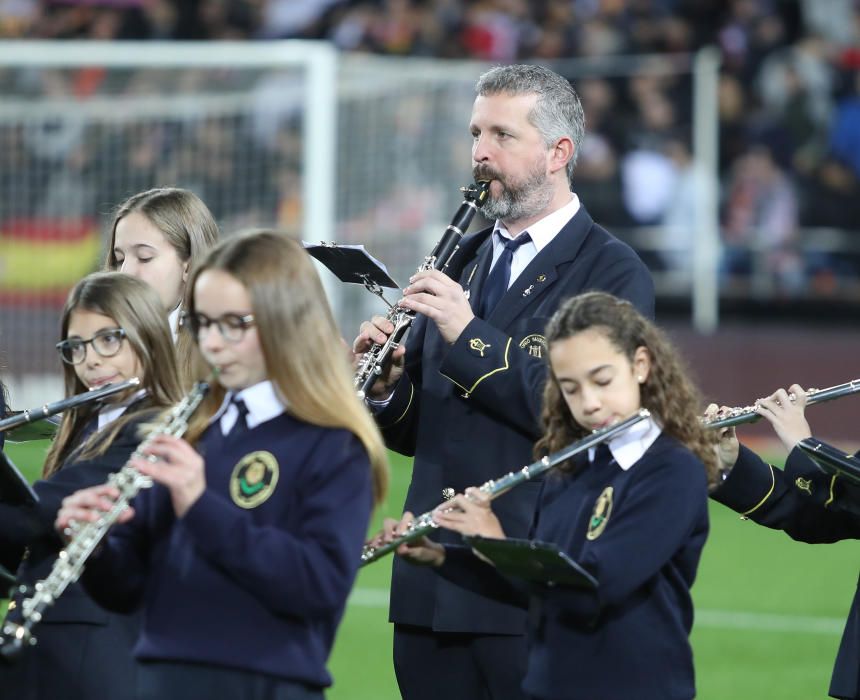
<point>769,611</point>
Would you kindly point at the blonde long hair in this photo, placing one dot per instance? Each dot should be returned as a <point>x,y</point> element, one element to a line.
<point>136,308</point>
<point>668,392</point>
<point>187,225</point>
<point>304,354</point>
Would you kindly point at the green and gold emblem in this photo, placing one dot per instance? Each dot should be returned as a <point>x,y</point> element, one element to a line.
<point>478,345</point>
<point>254,479</point>
<point>600,515</point>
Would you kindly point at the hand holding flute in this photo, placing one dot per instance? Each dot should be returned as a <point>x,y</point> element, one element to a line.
<point>468,513</point>
<point>784,410</point>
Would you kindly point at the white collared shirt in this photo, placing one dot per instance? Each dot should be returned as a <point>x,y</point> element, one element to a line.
<point>541,232</point>
<point>262,401</point>
<point>112,411</point>
<point>173,322</point>
<point>628,448</point>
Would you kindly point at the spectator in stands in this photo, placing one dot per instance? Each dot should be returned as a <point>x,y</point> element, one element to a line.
<point>760,224</point>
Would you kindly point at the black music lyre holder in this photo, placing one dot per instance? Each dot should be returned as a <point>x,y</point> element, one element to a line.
<point>354,265</point>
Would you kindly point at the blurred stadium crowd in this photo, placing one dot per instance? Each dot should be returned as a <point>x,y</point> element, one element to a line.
<point>788,102</point>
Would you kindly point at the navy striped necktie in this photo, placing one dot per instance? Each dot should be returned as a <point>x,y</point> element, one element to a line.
<point>499,278</point>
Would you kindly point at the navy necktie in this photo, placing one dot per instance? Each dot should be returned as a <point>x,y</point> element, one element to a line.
<point>500,276</point>
<point>241,424</point>
<point>602,455</point>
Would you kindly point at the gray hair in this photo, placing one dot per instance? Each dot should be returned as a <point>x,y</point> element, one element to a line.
<point>557,111</point>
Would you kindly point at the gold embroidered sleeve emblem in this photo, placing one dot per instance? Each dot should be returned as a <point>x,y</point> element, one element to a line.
<point>600,515</point>
<point>479,345</point>
<point>254,479</point>
<point>804,484</point>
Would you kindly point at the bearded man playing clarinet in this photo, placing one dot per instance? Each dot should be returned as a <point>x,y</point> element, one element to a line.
<point>463,394</point>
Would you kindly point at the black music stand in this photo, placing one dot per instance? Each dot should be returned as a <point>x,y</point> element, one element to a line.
<point>532,560</point>
<point>830,460</point>
<point>354,265</point>
<point>14,488</point>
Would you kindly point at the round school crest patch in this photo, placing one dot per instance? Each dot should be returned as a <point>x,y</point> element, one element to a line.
<point>535,344</point>
<point>254,479</point>
<point>600,516</point>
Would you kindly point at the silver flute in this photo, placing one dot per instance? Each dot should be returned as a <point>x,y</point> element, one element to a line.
<point>49,409</point>
<point>494,488</point>
<point>374,362</point>
<point>748,414</point>
<point>84,538</point>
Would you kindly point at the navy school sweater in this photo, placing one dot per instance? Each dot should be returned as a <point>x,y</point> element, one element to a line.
<point>631,638</point>
<point>256,575</point>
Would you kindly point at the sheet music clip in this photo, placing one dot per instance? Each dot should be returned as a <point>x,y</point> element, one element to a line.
<point>354,265</point>
<point>14,488</point>
<point>532,560</point>
<point>830,460</point>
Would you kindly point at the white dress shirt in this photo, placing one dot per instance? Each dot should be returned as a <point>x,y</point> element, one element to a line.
<point>262,401</point>
<point>541,232</point>
<point>628,448</point>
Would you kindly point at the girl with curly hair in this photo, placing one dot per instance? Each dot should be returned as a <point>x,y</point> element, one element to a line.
<point>631,512</point>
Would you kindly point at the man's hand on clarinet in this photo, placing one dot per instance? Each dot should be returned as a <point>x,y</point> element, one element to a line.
<point>377,331</point>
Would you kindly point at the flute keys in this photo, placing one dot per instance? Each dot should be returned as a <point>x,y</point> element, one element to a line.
<point>448,493</point>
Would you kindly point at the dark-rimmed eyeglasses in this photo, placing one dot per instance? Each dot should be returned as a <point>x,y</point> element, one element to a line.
<point>232,327</point>
<point>106,343</point>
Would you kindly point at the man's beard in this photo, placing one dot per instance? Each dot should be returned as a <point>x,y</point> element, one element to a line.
<point>518,200</point>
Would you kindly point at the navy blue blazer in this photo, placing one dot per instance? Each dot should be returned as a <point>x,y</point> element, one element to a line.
<point>810,507</point>
<point>470,411</point>
<point>87,649</point>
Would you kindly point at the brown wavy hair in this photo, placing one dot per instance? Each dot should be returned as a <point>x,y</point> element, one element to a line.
<point>304,354</point>
<point>136,308</point>
<point>668,392</point>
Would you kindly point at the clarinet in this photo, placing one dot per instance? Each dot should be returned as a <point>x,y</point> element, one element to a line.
<point>30,415</point>
<point>748,414</point>
<point>85,537</point>
<point>494,488</point>
<point>376,359</point>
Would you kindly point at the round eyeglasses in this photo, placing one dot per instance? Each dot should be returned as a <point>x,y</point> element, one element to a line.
<point>232,327</point>
<point>106,343</point>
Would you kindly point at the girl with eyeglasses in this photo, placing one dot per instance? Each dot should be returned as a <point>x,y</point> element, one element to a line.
<point>243,554</point>
<point>113,328</point>
<point>159,235</point>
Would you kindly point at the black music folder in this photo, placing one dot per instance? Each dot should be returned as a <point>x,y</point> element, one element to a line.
<point>42,429</point>
<point>830,460</point>
<point>351,263</point>
<point>14,488</point>
<point>532,560</point>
